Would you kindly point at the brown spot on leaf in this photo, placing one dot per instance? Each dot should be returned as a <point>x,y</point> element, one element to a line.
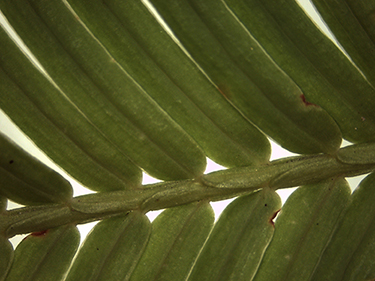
<point>273,217</point>
<point>224,91</point>
<point>39,233</point>
<point>306,102</point>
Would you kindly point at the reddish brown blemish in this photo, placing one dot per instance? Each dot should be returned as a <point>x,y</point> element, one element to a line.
<point>224,91</point>
<point>273,217</point>
<point>39,233</point>
<point>306,102</point>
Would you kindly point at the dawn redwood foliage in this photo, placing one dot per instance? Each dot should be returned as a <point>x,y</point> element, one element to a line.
<point>110,89</point>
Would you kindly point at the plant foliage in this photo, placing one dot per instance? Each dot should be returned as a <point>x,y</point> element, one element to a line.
<point>108,89</point>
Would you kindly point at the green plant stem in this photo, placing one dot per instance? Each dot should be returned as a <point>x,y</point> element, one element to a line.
<point>287,172</point>
<point>97,206</point>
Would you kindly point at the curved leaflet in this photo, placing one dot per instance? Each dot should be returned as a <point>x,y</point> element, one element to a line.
<point>231,253</point>
<point>251,81</point>
<point>350,253</point>
<point>26,180</point>
<point>44,255</point>
<point>103,92</point>
<point>112,249</point>
<point>303,229</point>
<point>6,257</point>
<point>325,75</point>
<point>177,236</point>
<point>138,43</point>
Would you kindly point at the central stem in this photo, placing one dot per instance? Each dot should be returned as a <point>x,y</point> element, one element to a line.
<point>288,172</point>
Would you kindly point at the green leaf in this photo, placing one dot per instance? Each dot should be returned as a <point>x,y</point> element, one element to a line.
<point>357,154</point>
<point>303,229</point>
<point>248,77</point>
<point>236,245</point>
<point>103,92</point>
<point>42,111</point>
<point>44,255</point>
<point>364,11</point>
<point>178,235</point>
<point>325,75</point>
<point>350,34</point>
<point>6,257</point>
<point>120,92</point>
<point>3,204</point>
<point>293,171</point>
<point>172,79</point>
<point>26,180</point>
<point>112,249</point>
<point>350,255</point>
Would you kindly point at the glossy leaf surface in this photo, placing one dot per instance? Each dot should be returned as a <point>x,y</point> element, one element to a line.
<point>112,249</point>
<point>236,245</point>
<point>44,255</point>
<point>26,180</point>
<point>303,229</point>
<point>178,235</point>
